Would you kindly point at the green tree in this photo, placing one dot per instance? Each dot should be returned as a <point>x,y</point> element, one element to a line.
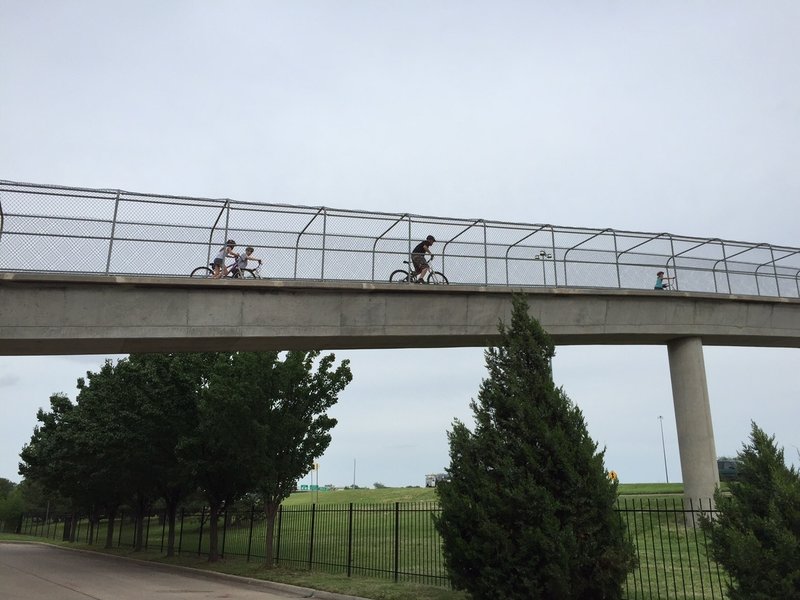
<point>6,487</point>
<point>53,457</point>
<point>296,426</point>
<point>223,451</point>
<point>168,388</point>
<point>528,510</point>
<point>756,533</point>
<point>12,505</point>
<point>109,439</point>
<point>280,422</point>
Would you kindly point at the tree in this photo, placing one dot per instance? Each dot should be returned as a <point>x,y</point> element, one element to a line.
<point>168,389</point>
<point>528,510</point>
<point>112,443</point>
<point>756,533</point>
<point>11,505</point>
<point>223,452</point>
<point>53,457</point>
<point>292,403</point>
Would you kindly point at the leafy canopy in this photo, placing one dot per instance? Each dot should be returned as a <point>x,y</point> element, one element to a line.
<point>528,511</point>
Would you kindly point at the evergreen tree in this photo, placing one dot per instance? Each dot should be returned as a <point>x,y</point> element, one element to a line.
<point>528,510</point>
<point>756,534</point>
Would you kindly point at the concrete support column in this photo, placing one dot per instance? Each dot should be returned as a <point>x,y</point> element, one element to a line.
<point>693,419</point>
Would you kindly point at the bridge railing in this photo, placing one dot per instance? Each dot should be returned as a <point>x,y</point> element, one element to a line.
<point>45,228</point>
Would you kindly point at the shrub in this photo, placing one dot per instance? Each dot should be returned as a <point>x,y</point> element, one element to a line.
<point>528,511</point>
<point>756,535</point>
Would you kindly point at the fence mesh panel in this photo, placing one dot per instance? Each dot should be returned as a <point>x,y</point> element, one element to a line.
<point>89,231</point>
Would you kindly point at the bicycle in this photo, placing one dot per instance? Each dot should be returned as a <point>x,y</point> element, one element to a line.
<point>409,275</point>
<point>233,272</point>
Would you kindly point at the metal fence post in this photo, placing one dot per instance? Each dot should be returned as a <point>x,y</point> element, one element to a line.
<point>200,537</point>
<point>224,530</point>
<point>311,539</point>
<point>119,533</point>
<point>250,535</point>
<point>113,231</point>
<point>163,528</point>
<point>350,541</point>
<point>180,535</point>
<point>396,540</point>
<point>278,541</point>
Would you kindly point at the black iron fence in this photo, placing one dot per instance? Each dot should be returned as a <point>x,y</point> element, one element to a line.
<point>97,231</point>
<point>398,541</point>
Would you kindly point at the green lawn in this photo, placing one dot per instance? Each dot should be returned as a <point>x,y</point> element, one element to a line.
<point>422,494</point>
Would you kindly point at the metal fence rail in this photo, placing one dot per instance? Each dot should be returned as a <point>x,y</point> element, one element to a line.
<point>45,228</point>
<point>398,541</point>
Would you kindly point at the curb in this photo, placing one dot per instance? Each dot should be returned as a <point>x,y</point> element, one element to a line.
<point>286,588</point>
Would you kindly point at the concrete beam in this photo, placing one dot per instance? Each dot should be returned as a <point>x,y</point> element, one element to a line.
<point>78,314</point>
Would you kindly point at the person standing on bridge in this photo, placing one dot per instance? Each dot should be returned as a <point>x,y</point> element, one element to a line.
<point>418,258</point>
<point>220,270</point>
<point>662,283</point>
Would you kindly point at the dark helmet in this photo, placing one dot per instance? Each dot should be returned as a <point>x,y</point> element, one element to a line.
<point>430,238</point>
<point>230,243</point>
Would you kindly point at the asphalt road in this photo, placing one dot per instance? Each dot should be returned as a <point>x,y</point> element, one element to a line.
<point>33,571</point>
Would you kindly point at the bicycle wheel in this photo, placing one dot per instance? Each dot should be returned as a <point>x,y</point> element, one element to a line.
<point>399,276</point>
<point>249,274</point>
<point>202,273</point>
<point>437,277</point>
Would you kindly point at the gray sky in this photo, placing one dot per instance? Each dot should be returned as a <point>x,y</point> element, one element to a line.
<point>682,118</point>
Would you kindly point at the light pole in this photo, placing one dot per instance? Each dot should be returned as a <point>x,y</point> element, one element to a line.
<point>663,447</point>
<point>542,256</point>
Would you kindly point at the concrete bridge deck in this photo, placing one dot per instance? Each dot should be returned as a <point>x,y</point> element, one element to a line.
<point>86,314</point>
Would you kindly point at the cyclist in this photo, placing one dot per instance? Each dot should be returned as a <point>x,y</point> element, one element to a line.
<point>418,258</point>
<point>220,270</point>
<point>241,261</point>
<point>662,283</point>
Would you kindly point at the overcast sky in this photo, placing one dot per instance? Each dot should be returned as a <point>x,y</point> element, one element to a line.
<point>661,117</point>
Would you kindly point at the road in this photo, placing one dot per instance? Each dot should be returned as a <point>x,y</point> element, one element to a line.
<point>33,571</point>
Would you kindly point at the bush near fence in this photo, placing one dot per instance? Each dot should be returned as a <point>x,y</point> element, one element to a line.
<point>398,541</point>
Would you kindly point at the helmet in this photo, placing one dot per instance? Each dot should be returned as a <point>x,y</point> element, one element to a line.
<point>430,238</point>
<point>230,243</point>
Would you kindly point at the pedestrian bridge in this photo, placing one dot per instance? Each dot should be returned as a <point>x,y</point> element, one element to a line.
<point>116,281</point>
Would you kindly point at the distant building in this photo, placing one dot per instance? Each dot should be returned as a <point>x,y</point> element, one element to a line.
<point>433,478</point>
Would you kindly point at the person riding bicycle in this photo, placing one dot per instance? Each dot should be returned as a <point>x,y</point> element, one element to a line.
<point>220,270</point>
<point>241,261</point>
<point>418,258</point>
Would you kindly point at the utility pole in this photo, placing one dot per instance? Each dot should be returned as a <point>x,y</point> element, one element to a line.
<point>663,447</point>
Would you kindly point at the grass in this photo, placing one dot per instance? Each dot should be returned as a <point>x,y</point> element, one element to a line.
<point>422,494</point>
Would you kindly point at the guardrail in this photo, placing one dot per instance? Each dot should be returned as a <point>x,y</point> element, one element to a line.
<point>47,228</point>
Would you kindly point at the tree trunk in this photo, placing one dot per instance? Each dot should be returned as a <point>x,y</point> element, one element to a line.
<point>172,510</point>
<point>271,511</point>
<point>112,515</point>
<point>141,506</point>
<point>213,547</point>
<point>73,525</point>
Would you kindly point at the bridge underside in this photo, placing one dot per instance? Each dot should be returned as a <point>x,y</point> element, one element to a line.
<point>78,314</point>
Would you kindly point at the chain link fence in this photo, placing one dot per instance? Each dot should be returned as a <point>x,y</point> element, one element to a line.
<point>55,229</point>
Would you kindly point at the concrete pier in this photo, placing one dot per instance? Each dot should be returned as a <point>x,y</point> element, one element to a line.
<point>693,419</point>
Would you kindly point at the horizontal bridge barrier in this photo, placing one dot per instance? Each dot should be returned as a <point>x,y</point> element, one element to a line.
<point>46,228</point>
